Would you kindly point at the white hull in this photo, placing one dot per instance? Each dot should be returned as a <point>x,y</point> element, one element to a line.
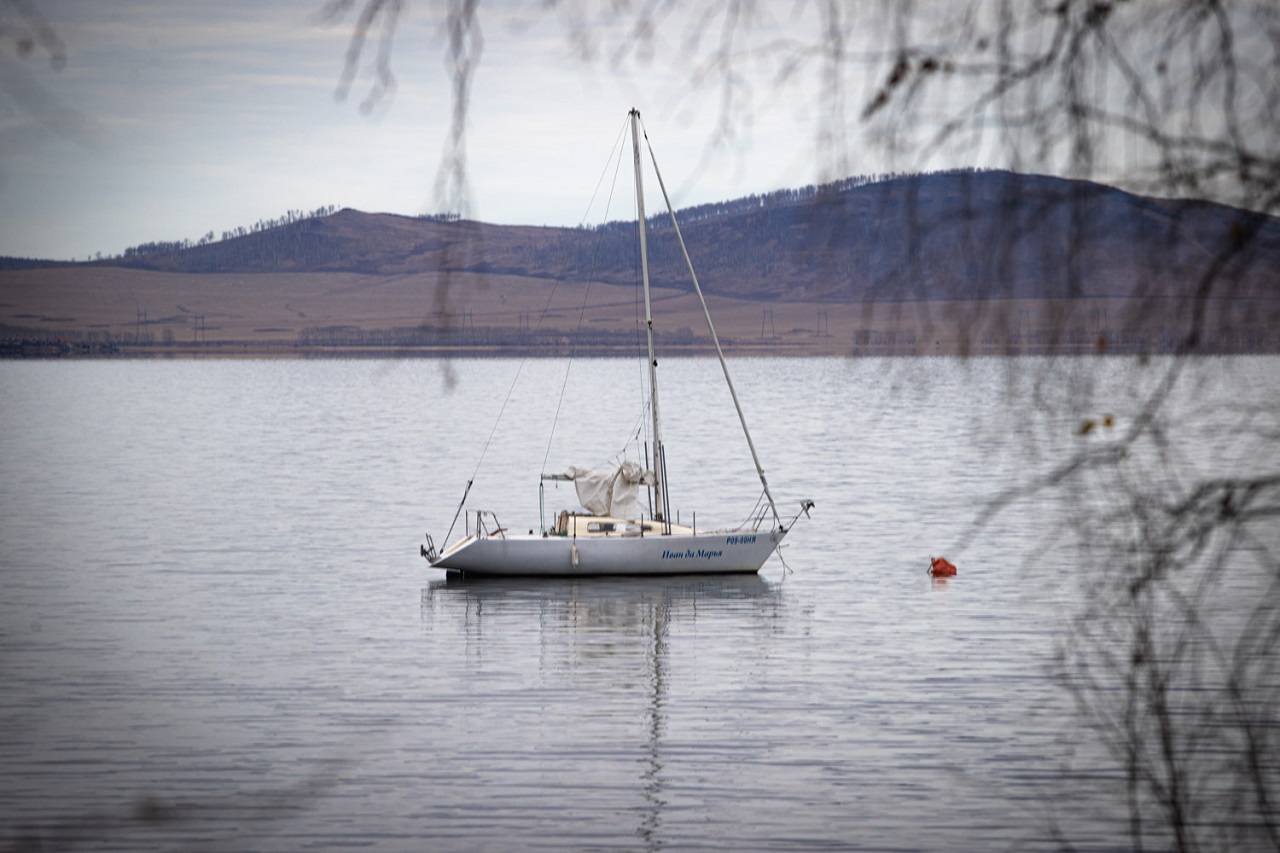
<point>724,552</point>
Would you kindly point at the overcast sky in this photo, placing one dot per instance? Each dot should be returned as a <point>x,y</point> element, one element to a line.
<point>172,119</point>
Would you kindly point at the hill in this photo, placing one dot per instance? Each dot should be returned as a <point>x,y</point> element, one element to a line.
<point>948,239</point>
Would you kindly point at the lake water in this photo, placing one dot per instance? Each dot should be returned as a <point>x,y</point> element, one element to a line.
<point>216,631</point>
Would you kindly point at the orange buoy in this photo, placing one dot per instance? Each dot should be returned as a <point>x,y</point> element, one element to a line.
<point>939,567</point>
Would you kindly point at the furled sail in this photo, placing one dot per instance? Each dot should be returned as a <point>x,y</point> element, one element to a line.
<point>613,493</point>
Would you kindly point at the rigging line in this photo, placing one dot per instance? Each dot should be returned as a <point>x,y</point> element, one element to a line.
<point>754,512</point>
<point>633,435</point>
<point>524,359</point>
<point>542,315</point>
<point>496,421</point>
<point>706,313</point>
<point>617,145</point>
<point>591,274</point>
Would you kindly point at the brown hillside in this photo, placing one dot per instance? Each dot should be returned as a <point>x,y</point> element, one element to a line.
<point>969,262</point>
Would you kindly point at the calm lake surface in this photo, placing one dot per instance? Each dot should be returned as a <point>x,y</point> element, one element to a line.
<point>216,631</point>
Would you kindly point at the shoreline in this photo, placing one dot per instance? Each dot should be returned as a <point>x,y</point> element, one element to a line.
<point>58,349</point>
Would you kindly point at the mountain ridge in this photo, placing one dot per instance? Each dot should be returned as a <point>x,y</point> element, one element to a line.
<point>948,235</point>
<point>956,262</point>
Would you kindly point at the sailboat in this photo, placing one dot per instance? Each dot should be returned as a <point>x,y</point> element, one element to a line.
<point>613,537</point>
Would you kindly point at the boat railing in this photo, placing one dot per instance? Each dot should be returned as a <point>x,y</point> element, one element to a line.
<point>486,524</point>
<point>758,518</point>
<point>428,551</point>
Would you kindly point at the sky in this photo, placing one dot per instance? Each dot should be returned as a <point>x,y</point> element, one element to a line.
<point>172,119</point>
<point>163,120</point>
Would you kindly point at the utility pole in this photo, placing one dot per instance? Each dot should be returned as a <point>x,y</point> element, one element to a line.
<point>766,321</point>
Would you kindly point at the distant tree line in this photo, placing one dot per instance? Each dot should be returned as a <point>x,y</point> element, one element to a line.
<point>777,198</point>
<point>289,217</point>
<point>164,247</point>
<point>157,247</point>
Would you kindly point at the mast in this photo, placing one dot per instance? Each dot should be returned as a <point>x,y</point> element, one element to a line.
<point>659,466</point>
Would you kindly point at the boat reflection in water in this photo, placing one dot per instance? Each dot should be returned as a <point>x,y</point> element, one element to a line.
<point>602,664</point>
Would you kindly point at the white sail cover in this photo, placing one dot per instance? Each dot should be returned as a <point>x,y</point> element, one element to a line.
<point>612,493</point>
